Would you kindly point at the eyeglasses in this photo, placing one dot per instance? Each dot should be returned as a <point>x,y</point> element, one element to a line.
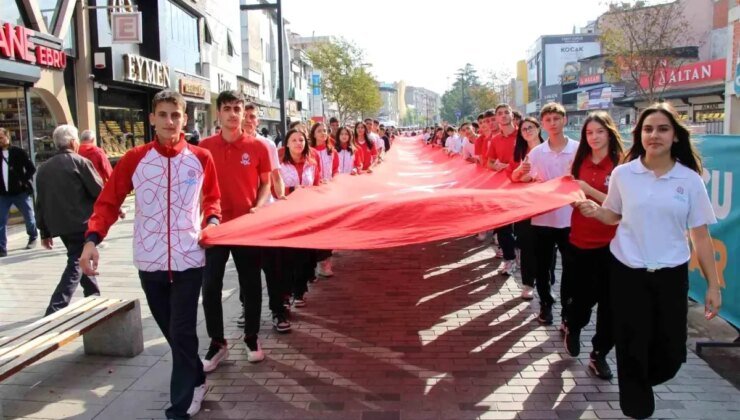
<point>528,129</point>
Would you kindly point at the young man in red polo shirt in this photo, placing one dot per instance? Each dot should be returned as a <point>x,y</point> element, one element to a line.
<point>500,156</point>
<point>243,169</point>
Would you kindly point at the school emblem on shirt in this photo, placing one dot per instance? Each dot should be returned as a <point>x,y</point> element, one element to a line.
<point>679,190</point>
<point>679,194</point>
<point>191,178</point>
<point>245,159</point>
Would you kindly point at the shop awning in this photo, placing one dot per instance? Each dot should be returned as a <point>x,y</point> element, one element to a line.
<point>675,94</point>
<point>587,88</point>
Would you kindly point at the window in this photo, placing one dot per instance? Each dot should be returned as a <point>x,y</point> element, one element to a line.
<point>49,10</point>
<point>208,37</point>
<point>229,45</point>
<point>11,12</point>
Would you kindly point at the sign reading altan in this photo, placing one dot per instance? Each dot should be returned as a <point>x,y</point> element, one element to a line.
<point>144,70</point>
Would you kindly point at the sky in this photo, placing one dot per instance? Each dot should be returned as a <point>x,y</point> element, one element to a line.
<point>425,42</point>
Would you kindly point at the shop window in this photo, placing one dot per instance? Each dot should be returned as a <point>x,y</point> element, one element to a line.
<point>120,129</point>
<point>208,36</point>
<point>50,11</point>
<point>13,118</point>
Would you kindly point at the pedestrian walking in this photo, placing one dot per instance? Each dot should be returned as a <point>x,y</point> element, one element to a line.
<point>16,189</point>
<point>170,177</point>
<point>68,186</point>
<point>660,191</point>
<point>243,169</point>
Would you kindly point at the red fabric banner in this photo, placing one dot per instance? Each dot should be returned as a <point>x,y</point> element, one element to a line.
<point>418,194</point>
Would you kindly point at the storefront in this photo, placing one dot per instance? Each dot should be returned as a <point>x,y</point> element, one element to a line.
<point>196,91</point>
<point>30,62</point>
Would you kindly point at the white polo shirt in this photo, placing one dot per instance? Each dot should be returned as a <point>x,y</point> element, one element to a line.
<point>547,165</point>
<point>272,152</point>
<point>656,214</point>
<point>454,144</point>
<point>468,148</point>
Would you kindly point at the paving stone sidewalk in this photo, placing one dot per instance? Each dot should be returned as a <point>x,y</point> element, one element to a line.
<point>421,332</point>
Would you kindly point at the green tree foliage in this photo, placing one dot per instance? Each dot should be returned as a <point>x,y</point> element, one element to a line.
<point>467,97</point>
<point>345,80</point>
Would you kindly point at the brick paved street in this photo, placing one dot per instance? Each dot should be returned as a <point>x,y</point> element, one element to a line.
<point>421,332</point>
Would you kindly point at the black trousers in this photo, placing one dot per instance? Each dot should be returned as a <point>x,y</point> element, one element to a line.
<point>298,269</point>
<point>72,275</point>
<point>506,240</point>
<point>650,330</point>
<point>591,269</point>
<point>274,277</point>
<point>322,254</point>
<point>173,300</point>
<point>247,262</point>
<point>526,243</point>
<point>546,238</point>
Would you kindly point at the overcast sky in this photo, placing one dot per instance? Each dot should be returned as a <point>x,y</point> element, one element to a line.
<point>424,42</point>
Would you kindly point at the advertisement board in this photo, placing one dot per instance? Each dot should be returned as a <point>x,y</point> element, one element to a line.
<point>562,54</point>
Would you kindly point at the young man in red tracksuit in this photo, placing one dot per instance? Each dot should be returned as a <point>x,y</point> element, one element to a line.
<point>176,193</point>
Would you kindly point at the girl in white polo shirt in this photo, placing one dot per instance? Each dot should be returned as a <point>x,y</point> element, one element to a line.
<point>657,198</point>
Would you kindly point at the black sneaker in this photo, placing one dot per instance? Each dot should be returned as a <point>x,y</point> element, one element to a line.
<point>280,323</point>
<point>599,367</point>
<point>545,317</point>
<point>31,243</point>
<point>3,253</point>
<point>241,321</point>
<point>572,341</point>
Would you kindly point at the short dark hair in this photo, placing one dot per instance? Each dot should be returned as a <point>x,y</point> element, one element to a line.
<point>552,108</point>
<point>516,114</point>
<point>229,96</point>
<point>248,106</point>
<point>499,106</point>
<point>489,113</point>
<point>376,122</point>
<point>480,116</point>
<point>169,96</point>
<point>333,120</point>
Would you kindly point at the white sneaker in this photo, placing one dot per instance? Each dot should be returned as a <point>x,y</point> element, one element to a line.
<point>499,252</point>
<point>255,355</point>
<point>509,267</point>
<point>324,268</point>
<point>527,293</point>
<point>199,394</point>
<point>216,353</point>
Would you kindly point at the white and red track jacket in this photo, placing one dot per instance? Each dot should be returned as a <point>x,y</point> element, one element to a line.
<point>176,189</point>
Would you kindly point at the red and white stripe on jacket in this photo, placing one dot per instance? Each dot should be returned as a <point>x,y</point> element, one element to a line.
<point>329,162</point>
<point>176,189</point>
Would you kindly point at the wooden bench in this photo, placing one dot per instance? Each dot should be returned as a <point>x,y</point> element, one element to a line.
<point>120,333</point>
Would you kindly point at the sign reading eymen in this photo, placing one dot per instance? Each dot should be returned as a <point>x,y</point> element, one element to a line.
<point>144,70</point>
<point>16,45</point>
<point>689,74</point>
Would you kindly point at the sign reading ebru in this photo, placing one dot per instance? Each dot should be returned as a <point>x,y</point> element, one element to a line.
<point>144,70</point>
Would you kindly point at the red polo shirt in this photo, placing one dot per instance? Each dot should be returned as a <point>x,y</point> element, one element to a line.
<point>481,145</point>
<point>238,167</point>
<point>585,232</point>
<point>502,147</point>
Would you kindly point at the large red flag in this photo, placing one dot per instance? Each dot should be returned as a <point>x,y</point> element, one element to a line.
<point>417,195</point>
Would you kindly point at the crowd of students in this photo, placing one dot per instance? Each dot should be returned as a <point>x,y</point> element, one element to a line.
<point>624,245</point>
<point>623,241</point>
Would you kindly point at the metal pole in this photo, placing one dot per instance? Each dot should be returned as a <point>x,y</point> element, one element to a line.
<point>281,79</point>
<point>29,122</point>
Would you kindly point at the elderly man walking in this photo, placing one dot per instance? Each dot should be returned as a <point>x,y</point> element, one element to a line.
<point>16,174</point>
<point>68,186</point>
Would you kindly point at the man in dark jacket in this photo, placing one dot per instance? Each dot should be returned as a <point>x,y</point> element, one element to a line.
<point>68,186</point>
<point>16,173</point>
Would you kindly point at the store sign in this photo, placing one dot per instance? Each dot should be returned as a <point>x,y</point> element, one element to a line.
<point>250,90</point>
<point>144,70</point>
<point>15,44</point>
<point>193,88</point>
<point>591,79</point>
<point>126,28</point>
<point>710,107</point>
<point>223,83</point>
<point>689,74</point>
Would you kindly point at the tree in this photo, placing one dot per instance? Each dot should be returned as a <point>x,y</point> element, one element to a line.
<point>345,80</point>
<point>466,96</point>
<point>641,42</point>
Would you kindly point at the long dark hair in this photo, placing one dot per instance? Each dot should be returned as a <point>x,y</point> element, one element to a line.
<point>306,149</point>
<point>521,147</point>
<point>350,143</point>
<point>312,137</point>
<point>370,144</point>
<point>682,150</point>
<point>616,147</point>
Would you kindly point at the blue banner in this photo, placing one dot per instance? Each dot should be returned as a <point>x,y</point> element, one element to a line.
<point>720,154</point>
